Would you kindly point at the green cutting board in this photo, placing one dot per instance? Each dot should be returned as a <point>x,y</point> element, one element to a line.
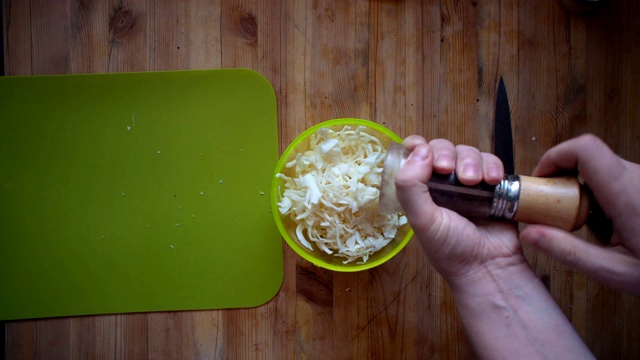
<point>137,192</point>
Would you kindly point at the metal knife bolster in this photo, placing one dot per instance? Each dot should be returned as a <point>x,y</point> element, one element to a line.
<point>505,198</point>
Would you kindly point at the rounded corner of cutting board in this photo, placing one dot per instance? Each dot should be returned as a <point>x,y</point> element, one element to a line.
<point>273,291</point>
<point>253,75</point>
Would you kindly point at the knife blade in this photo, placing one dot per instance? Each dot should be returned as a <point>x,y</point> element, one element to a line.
<point>502,136</point>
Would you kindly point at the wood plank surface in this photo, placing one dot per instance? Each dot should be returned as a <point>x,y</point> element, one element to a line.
<point>426,67</point>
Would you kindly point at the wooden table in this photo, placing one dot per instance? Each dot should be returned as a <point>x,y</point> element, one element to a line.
<point>426,67</point>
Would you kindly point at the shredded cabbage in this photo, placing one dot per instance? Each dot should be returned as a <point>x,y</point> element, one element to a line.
<point>333,197</point>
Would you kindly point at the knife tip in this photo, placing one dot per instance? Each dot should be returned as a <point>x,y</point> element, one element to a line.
<point>501,82</point>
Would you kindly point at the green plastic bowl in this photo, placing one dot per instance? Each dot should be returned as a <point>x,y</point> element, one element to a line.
<point>287,226</point>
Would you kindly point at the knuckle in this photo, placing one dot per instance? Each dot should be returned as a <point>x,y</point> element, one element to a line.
<point>404,180</point>
<point>442,144</point>
<point>466,151</point>
<point>488,157</point>
<point>462,147</point>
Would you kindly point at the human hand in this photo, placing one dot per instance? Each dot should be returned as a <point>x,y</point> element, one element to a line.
<point>615,184</point>
<point>455,246</point>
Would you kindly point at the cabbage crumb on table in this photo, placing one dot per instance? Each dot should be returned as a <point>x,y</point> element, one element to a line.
<point>333,197</point>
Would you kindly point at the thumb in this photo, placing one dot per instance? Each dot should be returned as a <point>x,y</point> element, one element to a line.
<point>611,266</point>
<point>412,190</point>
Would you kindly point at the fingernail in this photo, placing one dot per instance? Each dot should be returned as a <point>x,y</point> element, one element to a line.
<point>444,160</point>
<point>420,153</point>
<point>469,171</point>
<point>492,171</point>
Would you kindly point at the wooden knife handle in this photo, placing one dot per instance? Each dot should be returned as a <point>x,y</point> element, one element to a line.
<point>559,201</point>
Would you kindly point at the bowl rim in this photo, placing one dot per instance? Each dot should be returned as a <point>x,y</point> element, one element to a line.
<point>293,244</point>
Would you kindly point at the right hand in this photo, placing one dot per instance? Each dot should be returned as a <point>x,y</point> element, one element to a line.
<point>615,184</point>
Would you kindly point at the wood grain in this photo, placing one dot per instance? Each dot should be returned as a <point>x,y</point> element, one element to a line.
<point>426,67</point>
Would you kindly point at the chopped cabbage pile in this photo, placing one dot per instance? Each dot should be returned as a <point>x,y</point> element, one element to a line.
<point>333,197</point>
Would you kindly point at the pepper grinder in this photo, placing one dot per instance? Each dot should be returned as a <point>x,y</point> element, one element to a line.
<point>559,201</point>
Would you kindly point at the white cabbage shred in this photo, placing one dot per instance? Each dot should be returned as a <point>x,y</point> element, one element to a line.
<point>333,197</point>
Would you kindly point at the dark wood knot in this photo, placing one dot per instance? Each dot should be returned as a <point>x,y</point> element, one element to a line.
<point>248,27</point>
<point>314,287</point>
<point>121,24</point>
